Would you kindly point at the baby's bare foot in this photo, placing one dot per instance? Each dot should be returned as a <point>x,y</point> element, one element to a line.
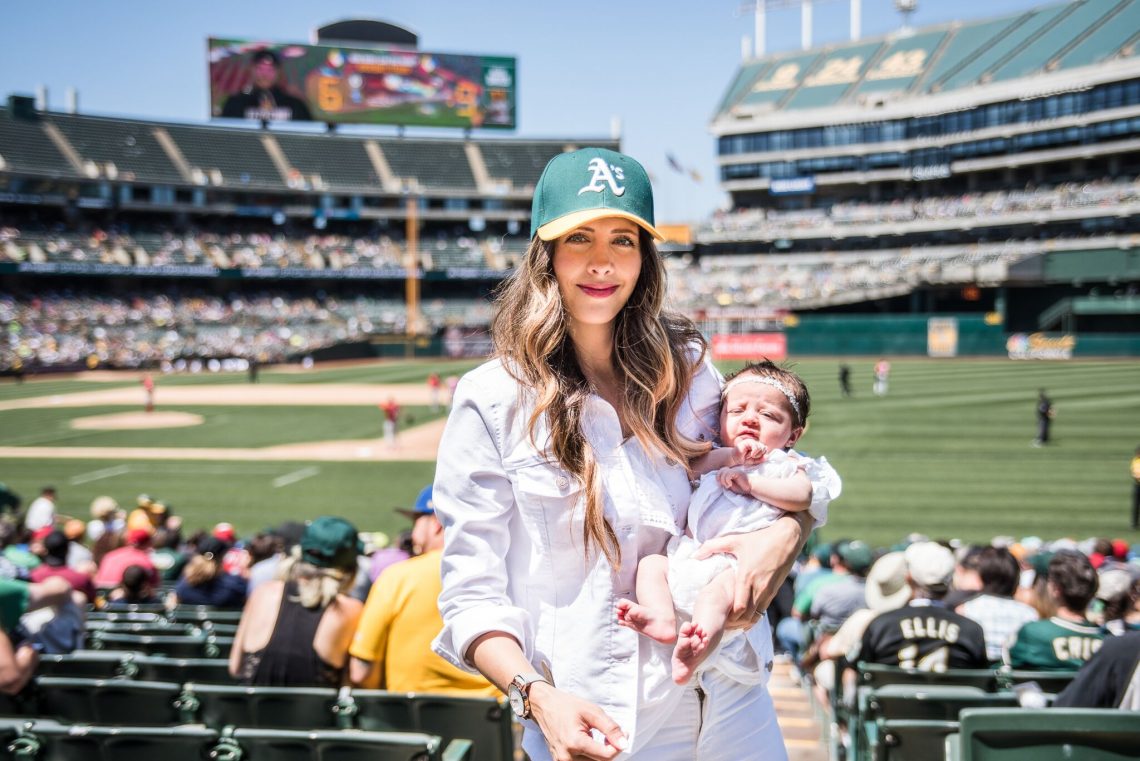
<point>691,650</point>
<point>643,620</point>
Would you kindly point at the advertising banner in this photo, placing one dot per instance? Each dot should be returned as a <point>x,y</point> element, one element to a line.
<point>284,82</point>
<point>750,346</point>
<point>1040,346</point>
<point>942,337</point>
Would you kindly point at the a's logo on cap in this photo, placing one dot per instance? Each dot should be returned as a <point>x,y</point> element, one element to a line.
<point>603,172</point>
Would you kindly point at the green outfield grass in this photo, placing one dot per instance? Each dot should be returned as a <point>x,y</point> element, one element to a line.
<point>946,453</point>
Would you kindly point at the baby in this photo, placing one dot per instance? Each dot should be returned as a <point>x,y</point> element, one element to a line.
<point>747,484</point>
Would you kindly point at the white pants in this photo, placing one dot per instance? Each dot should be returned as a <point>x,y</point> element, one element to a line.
<point>736,721</point>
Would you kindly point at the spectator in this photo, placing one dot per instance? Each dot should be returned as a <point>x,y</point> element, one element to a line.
<point>55,547</point>
<point>1067,640</point>
<point>296,632</point>
<point>150,515</point>
<point>967,582</point>
<point>10,501</point>
<point>384,557</point>
<point>995,609</point>
<point>41,512</point>
<point>392,646</point>
<point>923,634</point>
<point>204,582</point>
<point>78,556</point>
<point>1120,594</point>
<point>136,589</point>
<point>266,551</point>
<point>135,552</point>
<point>835,603</point>
<point>1110,679</point>
<point>168,559</point>
<point>106,518</point>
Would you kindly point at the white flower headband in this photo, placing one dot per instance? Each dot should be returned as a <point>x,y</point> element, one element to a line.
<point>767,381</point>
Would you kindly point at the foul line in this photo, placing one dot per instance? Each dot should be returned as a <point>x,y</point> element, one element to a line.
<point>95,475</point>
<point>294,477</point>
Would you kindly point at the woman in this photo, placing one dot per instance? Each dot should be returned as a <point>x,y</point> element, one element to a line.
<point>295,633</point>
<point>564,461</point>
<point>204,582</point>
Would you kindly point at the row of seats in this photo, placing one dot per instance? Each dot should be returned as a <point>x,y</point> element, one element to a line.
<point>50,741</point>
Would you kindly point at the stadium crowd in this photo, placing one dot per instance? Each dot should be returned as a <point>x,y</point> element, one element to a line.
<point>158,328</point>
<point>1027,604</point>
<point>251,250</point>
<point>772,223</point>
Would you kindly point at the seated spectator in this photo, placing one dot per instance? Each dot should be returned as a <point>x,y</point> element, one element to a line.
<point>168,560</point>
<point>134,552</point>
<point>204,582</point>
<point>48,614</point>
<point>994,608</point>
<point>265,555</point>
<point>296,632</point>
<point>106,517</point>
<point>835,603</point>
<point>55,547</point>
<point>1118,601</point>
<point>923,634</point>
<point>78,556</point>
<point>136,589</point>
<point>150,515</point>
<point>967,582</point>
<point>392,646</point>
<point>1110,679</point>
<point>1065,641</point>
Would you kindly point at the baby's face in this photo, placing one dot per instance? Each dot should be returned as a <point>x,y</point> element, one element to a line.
<point>759,412</point>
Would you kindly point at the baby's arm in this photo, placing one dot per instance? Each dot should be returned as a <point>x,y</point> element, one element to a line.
<point>792,493</point>
<point>746,452</point>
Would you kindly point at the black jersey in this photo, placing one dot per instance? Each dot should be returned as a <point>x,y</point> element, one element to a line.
<point>925,637</point>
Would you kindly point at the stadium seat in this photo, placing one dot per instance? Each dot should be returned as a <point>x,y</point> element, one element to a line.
<point>343,745</point>
<point>220,705</point>
<point>173,646</point>
<point>483,721</point>
<point>382,711</point>
<point>1050,682</point>
<point>909,740</point>
<point>876,675</point>
<point>107,701</point>
<point>91,664</point>
<point>1053,734</point>
<point>198,613</point>
<point>161,669</point>
<point>51,741</point>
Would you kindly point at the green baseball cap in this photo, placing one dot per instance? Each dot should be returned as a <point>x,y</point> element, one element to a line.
<point>330,542</point>
<point>588,184</point>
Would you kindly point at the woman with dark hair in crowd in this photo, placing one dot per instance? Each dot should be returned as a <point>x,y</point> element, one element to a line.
<point>204,582</point>
<point>296,632</point>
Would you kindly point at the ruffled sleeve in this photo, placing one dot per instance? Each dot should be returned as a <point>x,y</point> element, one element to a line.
<point>825,485</point>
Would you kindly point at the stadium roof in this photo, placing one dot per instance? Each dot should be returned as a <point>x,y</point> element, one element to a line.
<point>939,67</point>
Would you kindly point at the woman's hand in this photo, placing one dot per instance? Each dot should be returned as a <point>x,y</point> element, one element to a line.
<point>566,721</point>
<point>763,560</point>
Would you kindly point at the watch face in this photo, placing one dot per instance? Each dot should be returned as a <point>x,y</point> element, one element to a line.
<point>515,696</point>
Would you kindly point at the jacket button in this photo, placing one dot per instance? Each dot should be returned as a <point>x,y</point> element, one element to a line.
<point>562,482</point>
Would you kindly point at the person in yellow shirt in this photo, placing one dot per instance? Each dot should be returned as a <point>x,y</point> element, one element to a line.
<point>1136,489</point>
<point>392,646</point>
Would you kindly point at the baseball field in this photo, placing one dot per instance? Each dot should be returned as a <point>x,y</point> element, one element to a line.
<point>947,452</point>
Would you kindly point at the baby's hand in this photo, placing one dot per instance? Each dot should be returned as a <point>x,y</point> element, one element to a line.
<point>750,452</point>
<point>734,480</point>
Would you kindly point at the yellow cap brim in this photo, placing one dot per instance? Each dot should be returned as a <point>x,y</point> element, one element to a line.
<point>556,228</point>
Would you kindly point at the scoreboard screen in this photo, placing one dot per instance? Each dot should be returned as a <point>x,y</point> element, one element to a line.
<point>287,82</point>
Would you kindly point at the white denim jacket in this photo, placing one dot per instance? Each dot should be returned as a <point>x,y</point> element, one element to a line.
<point>513,559</point>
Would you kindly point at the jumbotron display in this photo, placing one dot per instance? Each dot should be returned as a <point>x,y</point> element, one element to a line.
<point>287,82</point>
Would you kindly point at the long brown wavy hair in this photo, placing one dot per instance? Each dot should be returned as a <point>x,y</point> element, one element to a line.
<point>653,357</point>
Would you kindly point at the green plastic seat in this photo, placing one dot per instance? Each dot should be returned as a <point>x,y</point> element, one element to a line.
<point>49,741</point>
<point>342,745</point>
<point>172,646</point>
<point>877,675</point>
<point>382,711</point>
<point>909,739</point>
<point>1051,734</point>
<point>90,664</point>
<point>162,669</point>
<point>198,613</point>
<point>221,705</point>
<point>107,701</point>
<point>1050,681</point>
<point>486,722</point>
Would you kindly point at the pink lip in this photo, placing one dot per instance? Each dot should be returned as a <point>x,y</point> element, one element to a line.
<point>599,291</point>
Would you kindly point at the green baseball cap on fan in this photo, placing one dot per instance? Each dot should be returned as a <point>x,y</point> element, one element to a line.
<point>588,184</point>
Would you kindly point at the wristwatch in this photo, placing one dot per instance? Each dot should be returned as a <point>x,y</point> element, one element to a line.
<point>518,693</point>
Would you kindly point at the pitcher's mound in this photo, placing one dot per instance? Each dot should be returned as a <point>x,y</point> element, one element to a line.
<point>131,421</point>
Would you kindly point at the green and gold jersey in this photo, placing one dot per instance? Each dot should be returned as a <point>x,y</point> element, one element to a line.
<point>1054,644</point>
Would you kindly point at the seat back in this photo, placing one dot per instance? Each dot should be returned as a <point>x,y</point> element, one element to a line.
<point>199,613</point>
<point>911,739</point>
<point>220,705</point>
<point>1053,734</point>
<point>162,669</point>
<point>383,711</point>
<point>91,664</point>
<point>50,741</point>
<point>483,721</point>
<point>931,702</point>
<point>1049,681</point>
<point>107,701</point>
<point>172,646</point>
<point>292,745</point>
<point>877,675</point>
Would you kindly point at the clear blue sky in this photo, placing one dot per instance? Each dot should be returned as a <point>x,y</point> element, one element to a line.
<point>659,66</point>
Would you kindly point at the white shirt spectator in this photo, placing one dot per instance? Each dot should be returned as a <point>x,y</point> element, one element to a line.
<point>40,513</point>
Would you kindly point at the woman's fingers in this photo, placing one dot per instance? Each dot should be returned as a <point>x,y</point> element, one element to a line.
<point>716,546</point>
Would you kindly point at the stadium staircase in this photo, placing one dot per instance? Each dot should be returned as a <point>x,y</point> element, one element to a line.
<point>799,721</point>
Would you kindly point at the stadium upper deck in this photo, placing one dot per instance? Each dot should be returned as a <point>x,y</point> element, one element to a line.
<point>1048,95</point>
